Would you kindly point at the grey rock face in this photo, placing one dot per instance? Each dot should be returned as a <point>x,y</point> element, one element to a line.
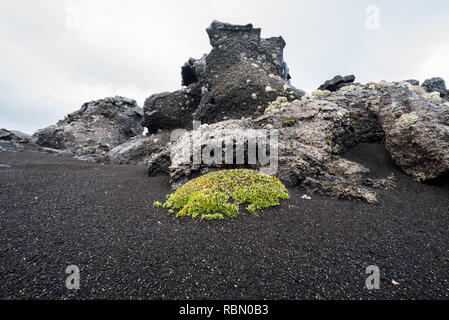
<point>239,78</point>
<point>138,150</point>
<point>308,147</point>
<point>417,133</point>
<point>435,84</point>
<point>5,134</point>
<point>314,132</point>
<point>94,129</point>
<point>337,82</point>
<point>11,135</point>
<point>14,141</point>
<point>362,104</point>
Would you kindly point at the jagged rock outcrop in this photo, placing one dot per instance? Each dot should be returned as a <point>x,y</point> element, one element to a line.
<point>244,74</point>
<point>94,129</point>
<point>13,140</point>
<point>239,78</point>
<point>417,133</point>
<point>336,83</point>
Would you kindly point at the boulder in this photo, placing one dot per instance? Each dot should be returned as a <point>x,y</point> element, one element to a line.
<point>435,85</point>
<point>336,83</point>
<point>11,140</point>
<point>413,82</point>
<point>138,150</point>
<point>416,133</point>
<point>95,129</point>
<point>167,111</point>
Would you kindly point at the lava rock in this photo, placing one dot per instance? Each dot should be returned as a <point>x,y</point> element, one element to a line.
<point>94,129</point>
<point>11,140</point>
<point>244,73</point>
<point>239,78</point>
<point>337,83</point>
<point>413,82</point>
<point>435,84</point>
<point>307,149</point>
<point>417,133</point>
<point>168,111</point>
<point>139,149</point>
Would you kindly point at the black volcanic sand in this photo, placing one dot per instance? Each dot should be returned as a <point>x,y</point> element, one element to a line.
<point>57,211</point>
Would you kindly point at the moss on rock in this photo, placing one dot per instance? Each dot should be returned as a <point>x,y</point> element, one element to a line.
<point>220,193</point>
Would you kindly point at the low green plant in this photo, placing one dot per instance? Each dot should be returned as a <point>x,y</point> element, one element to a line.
<point>157,204</point>
<point>220,193</point>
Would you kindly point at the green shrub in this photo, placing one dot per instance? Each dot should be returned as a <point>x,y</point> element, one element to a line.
<point>218,194</point>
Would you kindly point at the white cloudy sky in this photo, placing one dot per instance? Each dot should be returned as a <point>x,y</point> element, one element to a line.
<point>57,54</point>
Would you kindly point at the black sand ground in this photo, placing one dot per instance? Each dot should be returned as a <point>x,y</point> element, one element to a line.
<point>56,212</point>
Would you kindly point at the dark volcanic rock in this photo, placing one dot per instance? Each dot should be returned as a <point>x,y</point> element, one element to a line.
<point>435,84</point>
<point>417,133</point>
<point>166,111</point>
<point>413,82</point>
<point>94,129</point>
<point>244,73</point>
<point>240,77</point>
<point>337,82</point>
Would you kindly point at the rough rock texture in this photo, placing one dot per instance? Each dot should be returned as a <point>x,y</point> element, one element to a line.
<point>315,130</point>
<point>13,141</point>
<point>413,82</point>
<point>417,133</point>
<point>435,85</point>
<point>308,149</point>
<point>94,129</point>
<point>239,78</point>
<point>242,94</point>
<point>362,103</point>
<point>244,74</point>
<point>138,150</point>
<point>165,111</point>
<point>336,83</point>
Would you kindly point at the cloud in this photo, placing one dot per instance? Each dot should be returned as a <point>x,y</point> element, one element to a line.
<point>58,54</point>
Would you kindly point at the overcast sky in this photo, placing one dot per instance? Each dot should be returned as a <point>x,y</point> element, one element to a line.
<point>57,54</point>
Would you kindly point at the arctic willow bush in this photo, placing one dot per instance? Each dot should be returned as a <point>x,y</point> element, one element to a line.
<point>220,193</point>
